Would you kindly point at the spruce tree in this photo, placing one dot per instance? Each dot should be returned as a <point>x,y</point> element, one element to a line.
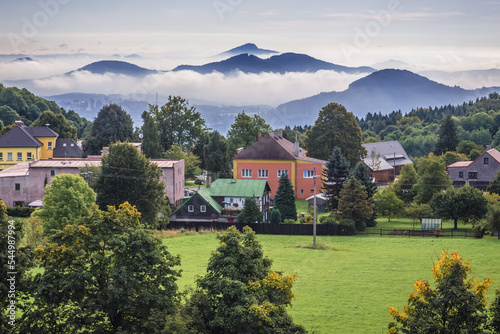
<point>285,199</point>
<point>151,145</point>
<point>354,204</point>
<point>363,174</point>
<point>448,138</point>
<point>251,212</point>
<point>336,172</point>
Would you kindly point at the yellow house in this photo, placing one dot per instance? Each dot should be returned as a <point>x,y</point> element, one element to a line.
<point>26,144</point>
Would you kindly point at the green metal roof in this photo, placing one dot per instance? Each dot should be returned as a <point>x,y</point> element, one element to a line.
<point>238,188</point>
<point>213,203</point>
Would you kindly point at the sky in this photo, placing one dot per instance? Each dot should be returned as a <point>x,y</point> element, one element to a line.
<point>449,35</point>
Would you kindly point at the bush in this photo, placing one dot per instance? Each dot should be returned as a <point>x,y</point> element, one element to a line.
<point>360,225</point>
<point>276,216</point>
<point>19,211</point>
<point>327,220</point>
<point>478,232</point>
<point>290,221</point>
<point>348,226</point>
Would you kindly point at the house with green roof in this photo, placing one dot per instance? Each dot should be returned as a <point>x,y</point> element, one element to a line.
<point>222,197</point>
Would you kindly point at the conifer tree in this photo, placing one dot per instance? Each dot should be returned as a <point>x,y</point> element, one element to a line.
<point>448,138</point>
<point>251,212</point>
<point>354,204</point>
<point>151,145</point>
<point>335,174</point>
<point>284,200</point>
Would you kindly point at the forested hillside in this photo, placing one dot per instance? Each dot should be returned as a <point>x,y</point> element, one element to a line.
<point>20,104</point>
<point>417,131</point>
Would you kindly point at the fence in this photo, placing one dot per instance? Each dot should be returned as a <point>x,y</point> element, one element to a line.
<point>443,233</point>
<point>284,229</point>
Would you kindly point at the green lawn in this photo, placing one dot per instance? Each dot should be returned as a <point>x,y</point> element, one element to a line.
<point>348,290</point>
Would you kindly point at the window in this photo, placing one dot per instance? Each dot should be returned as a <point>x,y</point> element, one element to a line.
<point>19,156</point>
<point>52,172</point>
<point>246,173</point>
<point>49,145</point>
<point>263,173</point>
<point>486,161</point>
<point>472,175</point>
<point>190,208</point>
<point>282,171</point>
<point>301,191</point>
<point>17,186</point>
<point>312,190</point>
<point>9,156</point>
<point>461,175</point>
<point>203,208</point>
<point>29,156</point>
<point>308,173</point>
<point>1,156</point>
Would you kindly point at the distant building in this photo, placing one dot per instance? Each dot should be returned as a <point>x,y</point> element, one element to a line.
<point>222,197</point>
<point>478,173</point>
<point>271,156</point>
<point>385,159</point>
<point>25,182</point>
<point>25,144</point>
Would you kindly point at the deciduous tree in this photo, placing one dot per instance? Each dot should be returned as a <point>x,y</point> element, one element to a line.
<point>493,218</point>
<point>67,199</point>
<point>112,124</point>
<point>104,275</point>
<point>403,187</point>
<point>127,176</point>
<point>245,131</point>
<point>432,178</point>
<point>494,186</point>
<point>466,204</point>
<point>58,123</point>
<point>191,161</point>
<point>178,123</point>
<point>151,145</point>
<point>216,154</point>
<point>284,200</point>
<point>457,304</point>
<point>388,204</point>
<point>335,127</point>
<point>240,293</point>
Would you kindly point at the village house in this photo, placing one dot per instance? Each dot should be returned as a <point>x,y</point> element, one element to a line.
<point>271,156</point>
<point>478,173</point>
<point>221,199</point>
<point>386,159</point>
<point>25,183</point>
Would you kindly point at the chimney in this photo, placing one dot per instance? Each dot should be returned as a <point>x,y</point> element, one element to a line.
<point>239,150</point>
<point>19,123</point>
<point>488,147</point>
<point>296,147</point>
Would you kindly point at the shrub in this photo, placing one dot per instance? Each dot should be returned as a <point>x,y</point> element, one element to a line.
<point>348,226</point>
<point>290,221</point>
<point>19,211</point>
<point>275,216</point>
<point>327,220</point>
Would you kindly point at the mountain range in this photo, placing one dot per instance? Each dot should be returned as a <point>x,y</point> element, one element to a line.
<point>383,90</point>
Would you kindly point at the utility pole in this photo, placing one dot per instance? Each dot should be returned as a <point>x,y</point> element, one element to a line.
<point>314,204</point>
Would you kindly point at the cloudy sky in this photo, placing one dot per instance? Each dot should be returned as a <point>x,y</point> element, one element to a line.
<point>448,35</point>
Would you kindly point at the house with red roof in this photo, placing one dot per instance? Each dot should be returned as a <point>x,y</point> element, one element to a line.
<point>477,173</point>
<point>271,156</point>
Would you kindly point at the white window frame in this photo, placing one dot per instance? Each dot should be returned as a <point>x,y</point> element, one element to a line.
<point>1,156</point>
<point>29,156</point>
<point>308,174</point>
<point>246,173</point>
<point>263,173</point>
<point>19,156</point>
<point>282,171</point>
<point>9,156</point>
<point>49,145</point>
<point>203,208</point>
<point>190,208</point>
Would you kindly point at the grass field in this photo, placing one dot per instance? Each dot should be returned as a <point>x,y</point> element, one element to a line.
<point>348,289</point>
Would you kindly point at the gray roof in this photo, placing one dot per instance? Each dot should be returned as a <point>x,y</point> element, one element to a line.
<point>18,136</point>
<point>67,148</point>
<point>391,154</point>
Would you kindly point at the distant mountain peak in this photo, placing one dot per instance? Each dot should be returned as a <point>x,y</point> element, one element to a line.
<point>249,48</point>
<point>116,67</point>
<point>22,60</point>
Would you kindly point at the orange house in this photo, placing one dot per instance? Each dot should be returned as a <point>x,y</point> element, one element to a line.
<point>273,155</point>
